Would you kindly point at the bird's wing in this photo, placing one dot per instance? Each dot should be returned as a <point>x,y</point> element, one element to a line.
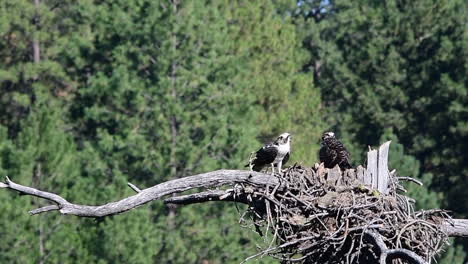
<point>266,154</point>
<point>344,158</point>
<point>328,155</point>
<point>342,154</point>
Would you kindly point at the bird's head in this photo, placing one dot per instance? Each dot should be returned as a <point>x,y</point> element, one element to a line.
<point>328,135</point>
<point>284,138</point>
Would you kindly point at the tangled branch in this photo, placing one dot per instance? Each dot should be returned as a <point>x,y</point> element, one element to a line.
<point>390,254</point>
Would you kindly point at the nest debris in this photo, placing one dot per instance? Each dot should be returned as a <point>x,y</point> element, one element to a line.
<point>311,216</point>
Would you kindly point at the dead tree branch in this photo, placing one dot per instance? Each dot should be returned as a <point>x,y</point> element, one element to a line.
<point>212,195</point>
<point>453,227</point>
<point>309,214</point>
<point>204,180</point>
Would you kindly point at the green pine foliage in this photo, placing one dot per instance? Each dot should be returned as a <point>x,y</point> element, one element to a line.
<point>398,67</point>
<point>147,91</point>
<point>43,156</point>
<point>285,97</point>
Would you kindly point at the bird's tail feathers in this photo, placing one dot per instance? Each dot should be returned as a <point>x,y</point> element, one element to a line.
<point>257,168</point>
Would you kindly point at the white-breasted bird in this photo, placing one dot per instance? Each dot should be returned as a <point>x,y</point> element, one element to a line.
<point>276,153</point>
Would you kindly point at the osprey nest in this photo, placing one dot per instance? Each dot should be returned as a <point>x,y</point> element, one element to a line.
<point>318,215</point>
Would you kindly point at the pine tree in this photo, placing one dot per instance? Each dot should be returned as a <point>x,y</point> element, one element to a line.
<point>285,97</point>
<point>36,150</point>
<point>43,156</point>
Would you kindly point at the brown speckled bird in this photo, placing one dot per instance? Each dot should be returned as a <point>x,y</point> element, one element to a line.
<point>332,152</point>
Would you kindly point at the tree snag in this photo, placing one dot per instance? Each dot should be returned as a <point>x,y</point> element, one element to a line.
<point>306,214</point>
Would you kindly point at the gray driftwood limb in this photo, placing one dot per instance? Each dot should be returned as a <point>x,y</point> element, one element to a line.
<point>133,187</point>
<point>457,228</point>
<point>211,195</point>
<point>205,180</point>
<point>453,227</point>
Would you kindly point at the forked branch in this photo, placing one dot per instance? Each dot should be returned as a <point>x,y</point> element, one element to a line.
<point>454,227</point>
<point>204,180</point>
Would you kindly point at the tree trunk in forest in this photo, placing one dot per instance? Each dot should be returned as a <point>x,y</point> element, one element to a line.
<point>173,119</point>
<point>36,47</point>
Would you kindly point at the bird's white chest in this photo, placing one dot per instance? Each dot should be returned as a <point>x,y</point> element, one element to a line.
<point>282,151</point>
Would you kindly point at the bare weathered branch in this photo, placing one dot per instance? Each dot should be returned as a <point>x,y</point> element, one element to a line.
<point>405,254</point>
<point>44,209</point>
<point>456,227</point>
<point>205,180</point>
<point>211,195</point>
<point>34,192</point>
<point>453,228</point>
<point>410,179</point>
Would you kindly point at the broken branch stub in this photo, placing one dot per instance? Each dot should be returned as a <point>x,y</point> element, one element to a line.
<point>377,175</point>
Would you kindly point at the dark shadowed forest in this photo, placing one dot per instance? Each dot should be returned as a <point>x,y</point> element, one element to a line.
<point>95,94</point>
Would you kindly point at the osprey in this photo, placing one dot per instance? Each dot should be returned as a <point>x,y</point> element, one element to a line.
<point>332,152</point>
<point>276,153</point>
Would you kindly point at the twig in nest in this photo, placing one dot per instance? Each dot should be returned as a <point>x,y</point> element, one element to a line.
<point>410,179</point>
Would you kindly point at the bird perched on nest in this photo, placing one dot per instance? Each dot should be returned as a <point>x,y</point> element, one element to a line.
<point>332,152</point>
<point>276,153</point>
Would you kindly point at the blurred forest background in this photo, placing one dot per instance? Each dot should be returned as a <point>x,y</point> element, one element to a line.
<point>97,93</point>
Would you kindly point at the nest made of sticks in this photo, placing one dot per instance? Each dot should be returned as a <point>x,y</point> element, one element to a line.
<point>310,217</point>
